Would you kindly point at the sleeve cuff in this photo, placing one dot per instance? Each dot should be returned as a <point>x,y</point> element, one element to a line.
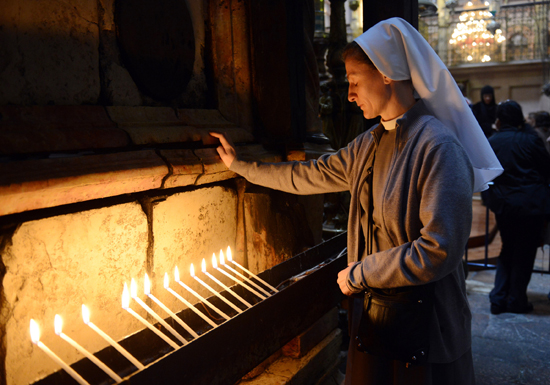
<point>356,285</point>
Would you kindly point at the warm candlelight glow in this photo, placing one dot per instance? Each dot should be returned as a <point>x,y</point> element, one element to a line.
<point>85,314</point>
<point>240,282</point>
<point>166,281</point>
<point>203,265</point>
<point>246,279</point>
<point>215,265</point>
<point>133,288</point>
<point>35,338</point>
<point>170,312</point>
<point>35,332</point>
<point>176,274</point>
<point>58,324</point>
<point>121,350</point>
<point>230,258</point>
<point>125,297</point>
<point>222,259</point>
<point>58,330</point>
<point>209,288</point>
<point>146,285</point>
<point>192,270</point>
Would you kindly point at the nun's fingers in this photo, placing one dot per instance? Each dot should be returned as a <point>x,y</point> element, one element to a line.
<point>226,150</point>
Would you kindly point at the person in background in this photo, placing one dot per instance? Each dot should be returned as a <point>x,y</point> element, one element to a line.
<point>531,118</point>
<point>462,89</point>
<point>542,127</point>
<point>518,199</point>
<point>485,110</point>
<point>423,162</point>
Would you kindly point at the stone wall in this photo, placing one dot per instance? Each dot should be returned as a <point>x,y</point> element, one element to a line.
<point>56,264</point>
<point>100,182</point>
<point>65,53</point>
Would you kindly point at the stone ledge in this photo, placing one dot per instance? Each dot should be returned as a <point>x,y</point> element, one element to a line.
<point>35,184</point>
<point>41,183</point>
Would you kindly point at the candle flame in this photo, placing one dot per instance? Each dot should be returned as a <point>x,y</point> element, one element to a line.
<point>58,324</point>
<point>176,274</point>
<point>166,281</point>
<point>35,332</point>
<point>133,288</point>
<point>85,314</point>
<point>222,258</point>
<point>203,265</point>
<point>214,262</point>
<point>146,285</point>
<point>229,256</point>
<point>192,270</point>
<point>125,297</point>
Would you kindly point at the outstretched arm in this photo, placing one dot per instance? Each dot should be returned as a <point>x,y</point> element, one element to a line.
<point>226,150</point>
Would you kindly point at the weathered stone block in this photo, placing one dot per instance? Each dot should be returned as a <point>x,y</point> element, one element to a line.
<point>45,129</point>
<point>49,52</point>
<point>55,265</point>
<point>186,167</point>
<point>35,184</point>
<point>276,228</point>
<point>189,227</point>
<point>214,169</point>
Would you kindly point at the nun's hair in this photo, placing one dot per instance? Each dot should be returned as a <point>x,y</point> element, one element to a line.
<point>509,113</point>
<point>355,52</point>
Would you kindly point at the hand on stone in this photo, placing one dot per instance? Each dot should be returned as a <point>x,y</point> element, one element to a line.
<point>226,150</point>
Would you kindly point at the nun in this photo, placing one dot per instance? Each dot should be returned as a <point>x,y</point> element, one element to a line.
<point>411,179</point>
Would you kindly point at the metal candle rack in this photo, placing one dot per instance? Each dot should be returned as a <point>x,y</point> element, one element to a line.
<point>251,335</point>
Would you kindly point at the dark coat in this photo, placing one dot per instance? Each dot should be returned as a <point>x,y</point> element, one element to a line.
<point>522,189</point>
<point>486,113</point>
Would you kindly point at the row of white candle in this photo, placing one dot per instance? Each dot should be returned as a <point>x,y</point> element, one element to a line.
<point>35,331</point>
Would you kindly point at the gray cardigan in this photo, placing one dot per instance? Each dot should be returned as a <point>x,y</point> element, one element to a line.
<point>427,210</point>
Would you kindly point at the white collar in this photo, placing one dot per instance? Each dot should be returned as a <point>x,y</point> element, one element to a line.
<point>390,124</point>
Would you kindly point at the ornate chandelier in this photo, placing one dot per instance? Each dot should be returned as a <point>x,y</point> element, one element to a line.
<point>471,39</point>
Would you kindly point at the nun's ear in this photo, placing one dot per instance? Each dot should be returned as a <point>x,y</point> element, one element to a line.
<point>386,79</point>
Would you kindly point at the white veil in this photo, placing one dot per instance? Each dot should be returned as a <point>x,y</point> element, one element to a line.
<point>400,52</point>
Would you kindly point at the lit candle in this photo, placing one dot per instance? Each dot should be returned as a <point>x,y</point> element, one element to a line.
<point>204,300</point>
<point>222,262</point>
<point>215,265</point>
<point>133,293</point>
<point>230,258</point>
<point>147,291</point>
<point>212,290</point>
<point>114,344</point>
<point>126,306</point>
<point>58,323</point>
<point>189,304</point>
<point>235,278</point>
<point>35,338</point>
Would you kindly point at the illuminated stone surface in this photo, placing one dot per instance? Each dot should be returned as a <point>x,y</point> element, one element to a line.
<point>55,265</point>
<point>189,227</point>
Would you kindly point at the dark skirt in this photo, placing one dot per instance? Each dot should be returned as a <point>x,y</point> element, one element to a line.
<point>366,369</point>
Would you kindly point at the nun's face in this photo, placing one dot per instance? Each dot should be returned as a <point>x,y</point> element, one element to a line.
<point>368,88</point>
